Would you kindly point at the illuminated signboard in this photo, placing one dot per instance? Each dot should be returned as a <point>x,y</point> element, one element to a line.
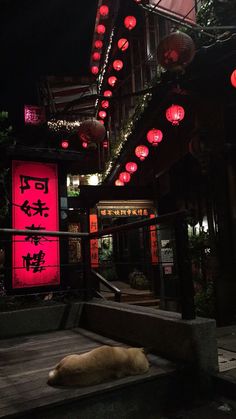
<point>35,259</point>
<point>153,242</point>
<point>124,212</point>
<point>34,115</point>
<point>93,227</point>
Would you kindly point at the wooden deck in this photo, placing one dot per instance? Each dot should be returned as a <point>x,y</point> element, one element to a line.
<point>25,362</point>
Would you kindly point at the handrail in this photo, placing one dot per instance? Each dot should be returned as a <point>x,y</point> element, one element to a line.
<point>113,288</point>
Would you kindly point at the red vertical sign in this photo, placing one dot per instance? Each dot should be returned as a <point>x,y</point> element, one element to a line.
<point>93,226</point>
<point>153,242</point>
<point>35,259</point>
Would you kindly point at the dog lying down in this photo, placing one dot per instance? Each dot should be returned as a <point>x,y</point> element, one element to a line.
<point>99,365</point>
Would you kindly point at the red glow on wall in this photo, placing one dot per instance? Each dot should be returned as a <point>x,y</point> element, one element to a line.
<point>96,56</point>
<point>233,78</point>
<point>94,69</point>
<point>131,167</point>
<point>107,93</point>
<point>175,114</point>
<point>123,44</point>
<point>124,177</point>
<point>118,65</point>
<point>64,144</point>
<point>101,29</point>
<point>98,44</point>
<point>154,136</point>
<point>105,104</point>
<point>130,22</point>
<point>93,227</point>
<point>102,114</point>
<point>119,183</point>
<point>112,80</point>
<point>141,152</point>
<point>104,10</point>
<point>35,259</point>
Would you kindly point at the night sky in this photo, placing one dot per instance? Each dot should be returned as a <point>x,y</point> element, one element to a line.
<point>46,37</point>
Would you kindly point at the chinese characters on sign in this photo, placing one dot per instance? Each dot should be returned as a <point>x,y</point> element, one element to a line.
<point>93,226</point>
<point>124,212</point>
<point>35,258</point>
<point>34,115</point>
<point>153,242</point>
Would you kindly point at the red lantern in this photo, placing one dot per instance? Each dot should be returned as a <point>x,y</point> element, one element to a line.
<point>131,167</point>
<point>119,183</point>
<point>154,136</point>
<point>101,29</point>
<point>112,80</point>
<point>64,144</point>
<point>118,65</point>
<point>98,44</point>
<point>94,69</point>
<point>104,11</point>
<point>138,1</point>
<point>101,121</point>
<point>233,78</point>
<point>175,114</point>
<point>91,131</point>
<point>141,152</point>
<point>124,177</point>
<point>105,144</point>
<point>102,114</point>
<point>123,44</point>
<point>107,93</point>
<point>176,51</point>
<point>105,104</point>
<point>96,56</point>
<point>130,22</point>
<point>84,144</point>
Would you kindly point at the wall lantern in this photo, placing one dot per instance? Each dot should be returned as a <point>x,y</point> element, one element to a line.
<point>64,144</point>
<point>104,10</point>
<point>175,51</point>
<point>98,44</point>
<point>175,114</point>
<point>101,29</point>
<point>130,22</point>
<point>96,56</point>
<point>124,177</point>
<point>117,65</point>
<point>154,136</point>
<point>112,80</point>
<point>119,183</point>
<point>123,44</point>
<point>131,167</point>
<point>105,104</point>
<point>94,69</point>
<point>141,152</point>
<point>102,114</point>
<point>107,93</point>
<point>233,78</point>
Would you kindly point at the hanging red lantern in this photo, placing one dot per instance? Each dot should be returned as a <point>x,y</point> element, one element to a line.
<point>131,167</point>
<point>107,93</point>
<point>105,104</point>
<point>96,56</point>
<point>233,78</point>
<point>101,121</point>
<point>91,131</point>
<point>138,1</point>
<point>123,44</point>
<point>98,44</point>
<point>124,177</point>
<point>101,29</point>
<point>112,80</point>
<point>176,51</point>
<point>175,114</point>
<point>102,114</point>
<point>141,152</point>
<point>94,69</point>
<point>84,144</point>
<point>130,22</point>
<point>104,10</point>
<point>119,183</point>
<point>64,144</point>
<point>117,65</point>
<point>154,136</point>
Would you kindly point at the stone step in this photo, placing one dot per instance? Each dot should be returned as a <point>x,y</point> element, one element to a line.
<point>146,303</point>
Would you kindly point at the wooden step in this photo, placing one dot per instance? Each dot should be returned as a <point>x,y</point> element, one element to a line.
<point>146,303</point>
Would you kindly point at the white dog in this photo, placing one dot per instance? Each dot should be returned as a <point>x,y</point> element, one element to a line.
<point>98,365</point>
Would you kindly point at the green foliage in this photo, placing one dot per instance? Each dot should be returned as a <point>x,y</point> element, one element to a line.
<point>205,300</point>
